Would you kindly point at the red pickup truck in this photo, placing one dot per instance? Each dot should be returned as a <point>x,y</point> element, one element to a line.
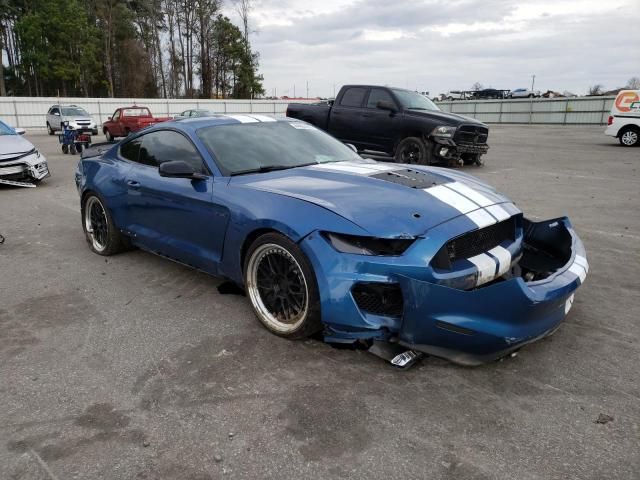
<point>126,120</point>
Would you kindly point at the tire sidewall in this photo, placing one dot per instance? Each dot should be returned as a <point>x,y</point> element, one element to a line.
<point>422,145</point>
<point>312,322</point>
<point>114,243</point>
<point>627,130</point>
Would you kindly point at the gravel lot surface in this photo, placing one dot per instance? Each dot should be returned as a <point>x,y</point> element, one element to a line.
<point>133,367</point>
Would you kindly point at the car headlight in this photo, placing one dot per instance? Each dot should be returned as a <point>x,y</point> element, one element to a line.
<point>368,245</point>
<point>444,131</point>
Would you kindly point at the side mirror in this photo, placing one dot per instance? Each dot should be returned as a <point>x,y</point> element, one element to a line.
<point>385,105</point>
<point>108,119</point>
<point>352,147</point>
<point>179,169</point>
<point>57,114</point>
<point>20,131</point>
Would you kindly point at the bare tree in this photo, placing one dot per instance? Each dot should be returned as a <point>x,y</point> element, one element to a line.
<point>595,89</point>
<point>476,87</point>
<point>633,83</point>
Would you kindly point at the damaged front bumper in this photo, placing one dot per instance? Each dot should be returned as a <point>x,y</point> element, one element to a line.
<point>23,170</point>
<point>477,325</point>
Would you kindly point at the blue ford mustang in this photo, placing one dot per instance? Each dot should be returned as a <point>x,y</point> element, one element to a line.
<point>410,257</point>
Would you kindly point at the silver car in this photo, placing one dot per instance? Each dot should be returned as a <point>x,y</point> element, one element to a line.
<point>196,113</point>
<point>77,117</point>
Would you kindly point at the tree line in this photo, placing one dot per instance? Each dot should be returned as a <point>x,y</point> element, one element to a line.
<point>127,48</point>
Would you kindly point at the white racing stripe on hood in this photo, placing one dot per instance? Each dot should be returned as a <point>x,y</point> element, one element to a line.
<point>498,212</point>
<point>481,218</point>
<point>486,268</point>
<point>470,193</point>
<point>452,198</point>
<point>356,167</point>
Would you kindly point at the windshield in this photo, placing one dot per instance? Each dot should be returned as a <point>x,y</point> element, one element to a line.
<point>136,112</point>
<point>74,112</point>
<point>413,100</point>
<point>245,148</point>
<point>6,129</point>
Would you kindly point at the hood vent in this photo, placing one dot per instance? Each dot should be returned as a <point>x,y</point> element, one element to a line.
<point>412,178</point>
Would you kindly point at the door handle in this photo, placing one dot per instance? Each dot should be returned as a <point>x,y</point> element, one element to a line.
<point>367,115</point>
<point>133,184</point>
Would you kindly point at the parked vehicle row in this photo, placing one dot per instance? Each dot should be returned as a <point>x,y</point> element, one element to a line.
<point>488,93</point>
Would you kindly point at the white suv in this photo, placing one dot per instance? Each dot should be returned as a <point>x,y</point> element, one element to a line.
<point>624,121</point>
<point>77,117</point>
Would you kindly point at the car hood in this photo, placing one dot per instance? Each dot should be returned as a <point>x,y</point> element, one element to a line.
<point>387,200</point>
<point>446,118</point>
<point>14,144</point>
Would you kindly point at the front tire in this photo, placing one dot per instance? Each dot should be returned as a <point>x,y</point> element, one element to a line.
<point>629,137</point>
<point>101,233</point>
<point>413,150</point>
<point>282,287</point>
<point>49,129</point>
<point>108,135</point>
<point>472,159</point>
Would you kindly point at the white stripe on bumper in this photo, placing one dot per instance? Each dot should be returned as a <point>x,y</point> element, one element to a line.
<point>504,259</point>
<point>486,268</point>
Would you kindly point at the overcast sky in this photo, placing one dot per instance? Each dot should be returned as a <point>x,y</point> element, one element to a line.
<point>438,46</point>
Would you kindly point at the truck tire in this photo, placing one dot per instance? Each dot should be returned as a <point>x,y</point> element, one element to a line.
<point>629,137</point>
<point>413,150</point>
<point>108,135</point>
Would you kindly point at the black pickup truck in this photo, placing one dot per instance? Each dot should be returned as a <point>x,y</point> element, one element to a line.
<point>397,122</point>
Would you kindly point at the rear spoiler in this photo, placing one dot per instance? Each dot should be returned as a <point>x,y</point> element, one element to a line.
<point>98,149</point>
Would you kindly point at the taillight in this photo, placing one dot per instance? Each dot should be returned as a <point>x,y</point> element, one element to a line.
<point>610,121</point>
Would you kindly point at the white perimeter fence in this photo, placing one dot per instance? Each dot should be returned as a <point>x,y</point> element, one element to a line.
<point>30,112</point>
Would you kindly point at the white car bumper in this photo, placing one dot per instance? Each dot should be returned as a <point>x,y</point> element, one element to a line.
<point>612,130</point>
<point>30,167</point>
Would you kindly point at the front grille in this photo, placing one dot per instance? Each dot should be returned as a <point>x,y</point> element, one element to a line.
<point>471,134</point>
<point>379,298</point>
<point>474,243</point>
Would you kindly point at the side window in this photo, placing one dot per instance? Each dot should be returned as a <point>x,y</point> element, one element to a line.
<point>377,95</point>
<point>54,110</point>
<point>167,146</point>
<point>353,97</point>
<point>130,150</point>
<point>116,115</point>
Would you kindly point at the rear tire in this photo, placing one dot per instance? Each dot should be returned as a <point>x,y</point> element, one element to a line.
<point>101,233</point>
<point>629,137</point>
<point>282,287</point>
<point>413,150</point>
<point>65,149</point>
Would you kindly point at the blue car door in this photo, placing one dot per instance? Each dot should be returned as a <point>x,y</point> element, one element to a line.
<point>175,217</point>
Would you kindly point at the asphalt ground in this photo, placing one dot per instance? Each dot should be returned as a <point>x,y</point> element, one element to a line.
<point>134,367</point>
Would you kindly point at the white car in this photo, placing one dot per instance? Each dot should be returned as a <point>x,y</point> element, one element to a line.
<point>624,121</point>
<point>523,93</point>
<point>21,164</point>
<point>455,95</point>
<point>77,117</point>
